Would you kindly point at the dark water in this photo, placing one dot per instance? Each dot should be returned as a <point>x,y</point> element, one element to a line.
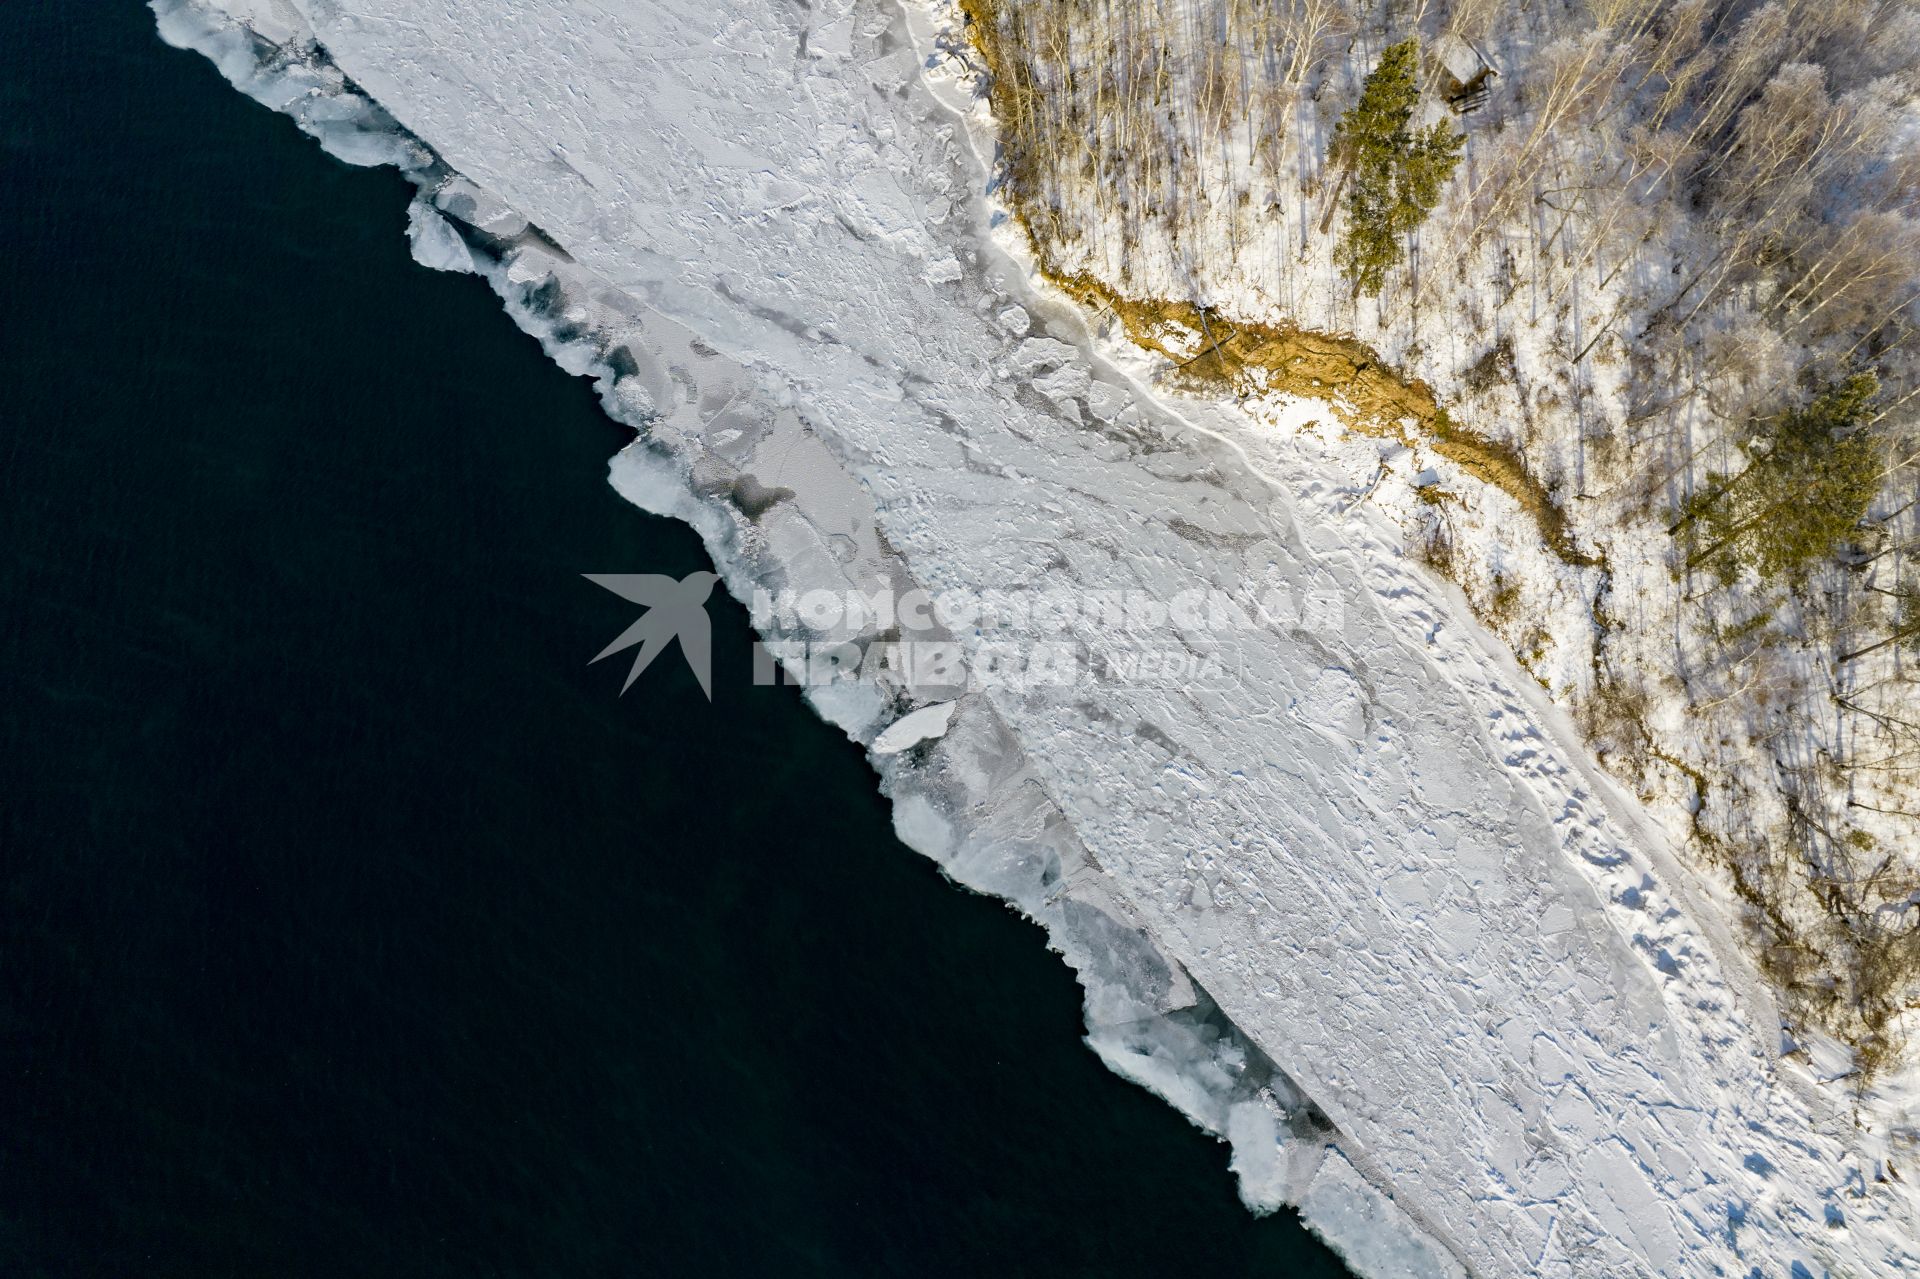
<point>351,925</point>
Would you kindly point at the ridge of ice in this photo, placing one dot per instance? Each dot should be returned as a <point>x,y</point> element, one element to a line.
<point>1511,1042</point>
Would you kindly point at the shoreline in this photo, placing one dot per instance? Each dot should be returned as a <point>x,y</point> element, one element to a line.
<point>783,546</point>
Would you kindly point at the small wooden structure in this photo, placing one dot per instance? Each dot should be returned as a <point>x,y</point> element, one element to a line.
<point>1464,75</point>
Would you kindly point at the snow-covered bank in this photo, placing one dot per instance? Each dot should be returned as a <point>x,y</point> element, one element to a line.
<point>1391,868</point>
<point>1672,227</point>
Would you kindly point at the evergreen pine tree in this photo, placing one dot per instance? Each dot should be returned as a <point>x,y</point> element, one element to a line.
<point>1801,497</point>
<point>1393,173</point>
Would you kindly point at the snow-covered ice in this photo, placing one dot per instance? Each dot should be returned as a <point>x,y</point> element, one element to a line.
<point>913,728</point>
<point>1370,913</point>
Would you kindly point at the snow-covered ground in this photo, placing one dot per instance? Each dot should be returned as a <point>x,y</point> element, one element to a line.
<point>1365,908</point>
<point>1670,222</point>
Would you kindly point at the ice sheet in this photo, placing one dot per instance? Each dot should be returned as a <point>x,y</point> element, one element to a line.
<point>1367,910</point>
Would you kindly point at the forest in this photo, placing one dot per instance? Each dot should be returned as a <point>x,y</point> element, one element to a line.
<point>1645,277</point>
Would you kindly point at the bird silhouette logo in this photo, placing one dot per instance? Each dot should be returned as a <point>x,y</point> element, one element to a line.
<point>676,610</point>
